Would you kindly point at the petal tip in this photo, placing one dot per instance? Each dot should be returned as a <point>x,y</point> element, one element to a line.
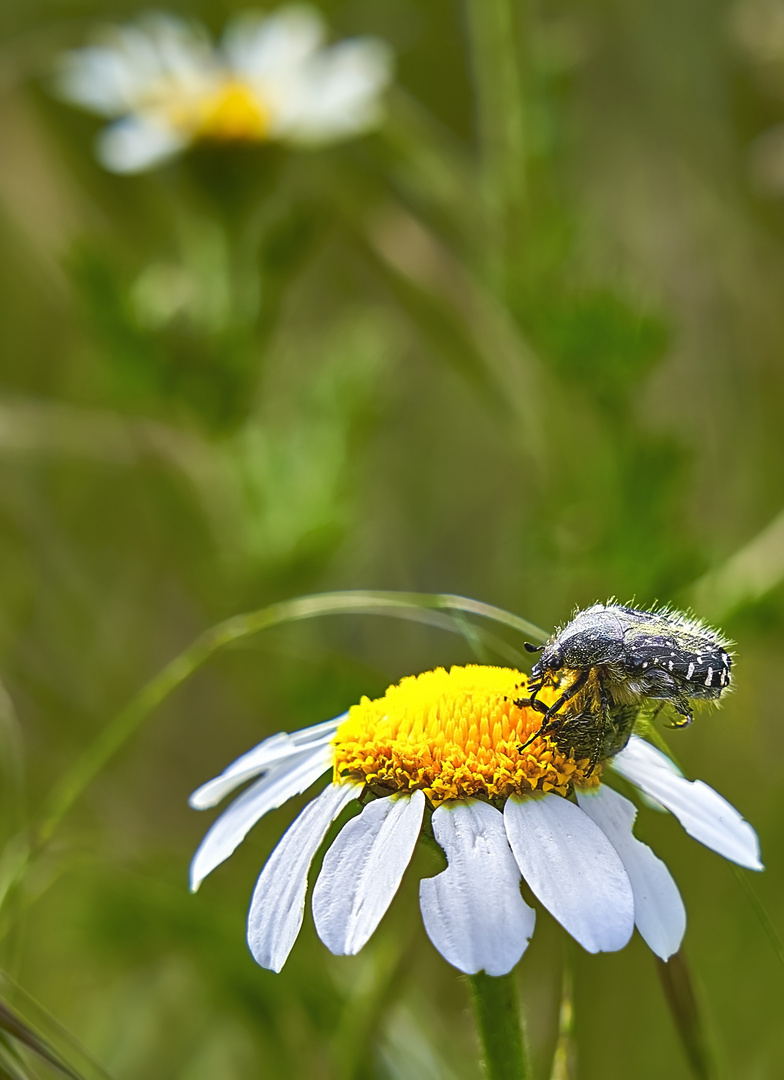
<point>664,954</point>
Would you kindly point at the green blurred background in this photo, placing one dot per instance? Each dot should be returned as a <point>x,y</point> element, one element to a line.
<point>523,343</point>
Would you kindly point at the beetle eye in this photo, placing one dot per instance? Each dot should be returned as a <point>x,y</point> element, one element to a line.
<point>555,659</point>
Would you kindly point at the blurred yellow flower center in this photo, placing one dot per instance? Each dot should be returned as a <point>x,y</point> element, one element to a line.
<point>455,735</point>
<point>232,112</point>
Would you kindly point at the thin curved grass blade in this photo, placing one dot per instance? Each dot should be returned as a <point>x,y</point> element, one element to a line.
<point>441,610</point>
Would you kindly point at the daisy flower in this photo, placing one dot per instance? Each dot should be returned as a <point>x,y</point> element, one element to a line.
<point>451,742</point>
<point>271,78</point>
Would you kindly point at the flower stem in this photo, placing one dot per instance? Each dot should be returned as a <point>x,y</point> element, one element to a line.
<point>500,1026</point>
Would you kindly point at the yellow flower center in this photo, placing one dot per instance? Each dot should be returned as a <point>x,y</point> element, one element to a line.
<point>233,112</point>
<point>455,735</point>
<point>226,111</point>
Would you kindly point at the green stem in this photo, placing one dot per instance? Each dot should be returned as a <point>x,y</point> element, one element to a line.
<point>442,610</point>
<point>500,1026</point>
<point>496,46</point>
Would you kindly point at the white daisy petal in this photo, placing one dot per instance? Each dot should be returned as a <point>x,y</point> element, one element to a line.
<point>281,783</point>
<point>702,812</point>
<point>317,732</point>
<point>278,903</point>
<point>182,50</point>
<point>269,752</point>
<point>659,913</point>
<point>362,871</point>
<point>266,47</point>
<point>136,143</point>
<point>98,79</point>
<point>473,911</point>
<point>137,55</point>
<point>573,869</point>
<point>273,750</point>
<point>336,95</point>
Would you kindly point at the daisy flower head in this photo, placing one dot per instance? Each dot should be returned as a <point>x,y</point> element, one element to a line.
<point>165,85</point>
<point>451,745</point>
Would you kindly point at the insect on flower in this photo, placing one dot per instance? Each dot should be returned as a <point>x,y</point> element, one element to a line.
<point>444,747</point>
<point>610,661</point>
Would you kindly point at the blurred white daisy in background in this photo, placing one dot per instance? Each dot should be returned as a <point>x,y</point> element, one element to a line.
<point>451,741</point>
<point>271,78</point>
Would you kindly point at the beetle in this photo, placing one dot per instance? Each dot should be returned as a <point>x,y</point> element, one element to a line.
<point>611,660</point>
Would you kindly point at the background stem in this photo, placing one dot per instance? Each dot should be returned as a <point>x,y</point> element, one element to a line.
<point>681,995</point>
<point>496,46</point>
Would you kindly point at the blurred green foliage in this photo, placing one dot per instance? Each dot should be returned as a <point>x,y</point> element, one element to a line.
<point>523,343</point>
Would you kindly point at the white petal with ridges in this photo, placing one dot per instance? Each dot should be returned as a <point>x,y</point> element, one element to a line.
<point>362,871</point>
<point>282,783</point>
<point>278,903</point>
<point>702,812</point>
<point>473,911</point>
<point>574,870</point>
<point>659,913</point>
<point>274,749</point>
<point>271,751</point>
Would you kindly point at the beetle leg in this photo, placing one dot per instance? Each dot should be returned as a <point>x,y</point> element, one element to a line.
<point>547,727</point>
<point>654,715</point>
<point>552,722</point>
<point>601,728</point>
<point>681,705</point>
<point>568,694</point>
<point>530,703</point>
<point>535,685</point>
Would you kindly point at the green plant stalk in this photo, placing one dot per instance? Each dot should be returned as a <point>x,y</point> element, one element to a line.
<point>429,607</point>
<point>500,1026</point>
<point>496,47</point>
<point>30,1024</point>
<point>13,800</point>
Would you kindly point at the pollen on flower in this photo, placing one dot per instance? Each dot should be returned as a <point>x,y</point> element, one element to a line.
<point>455,735</point>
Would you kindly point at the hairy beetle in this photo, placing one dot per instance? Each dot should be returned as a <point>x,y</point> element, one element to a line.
<point>610,660</point>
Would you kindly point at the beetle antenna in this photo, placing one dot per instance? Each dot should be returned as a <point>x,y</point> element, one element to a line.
<point>532,648</point>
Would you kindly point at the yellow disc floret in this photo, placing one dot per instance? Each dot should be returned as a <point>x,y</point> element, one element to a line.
<point>235,112</point>
<point>455,735</point>
<point>226,110</point>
